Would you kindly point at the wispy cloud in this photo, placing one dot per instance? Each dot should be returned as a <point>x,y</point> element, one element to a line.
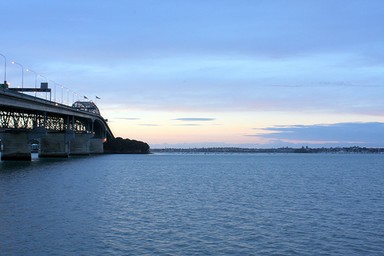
<point>149,125</point>
<point>238,61</point>
<point>188,125</point>
<point>369,134</point>
<point>194,119</point>
<point>127,118</point>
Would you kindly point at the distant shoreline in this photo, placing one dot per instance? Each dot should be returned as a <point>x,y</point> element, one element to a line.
<point>349,150</point>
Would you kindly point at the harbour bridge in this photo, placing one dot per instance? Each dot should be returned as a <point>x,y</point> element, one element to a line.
<point>58,129</point>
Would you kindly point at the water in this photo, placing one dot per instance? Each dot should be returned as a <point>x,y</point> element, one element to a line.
<point>239,204</point>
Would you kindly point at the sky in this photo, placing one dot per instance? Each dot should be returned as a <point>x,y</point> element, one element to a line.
<point>209,73</point>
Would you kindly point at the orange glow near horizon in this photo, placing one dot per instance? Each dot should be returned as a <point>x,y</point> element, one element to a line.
<point>161,128</point>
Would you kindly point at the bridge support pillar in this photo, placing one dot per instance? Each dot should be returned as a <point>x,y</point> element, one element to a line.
<point>80,144</point>
<point>54,145</point>
<point>15,146</point>
<point>96,146</point>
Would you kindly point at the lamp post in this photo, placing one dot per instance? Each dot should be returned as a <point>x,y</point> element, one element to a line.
<point>54,93</point>
<point>62,88</point>
<point>50,94</point>
<point>76,96</point>
<point>68,96</point>
<point>46,80</point>
<point>22,73</point>
<point>5,68</point>
<point>29,70</point>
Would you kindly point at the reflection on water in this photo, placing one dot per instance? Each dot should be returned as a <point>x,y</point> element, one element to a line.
<point>242,204</point>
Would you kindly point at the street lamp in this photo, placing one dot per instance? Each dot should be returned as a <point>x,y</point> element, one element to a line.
<point>22,73</point>
<point>29,70</point>
<point>46,80</point>
<point>68,96</point>
<point>54,93</point>
<point>5,68</point>
<point>62,88</point>
<point>50,94</point>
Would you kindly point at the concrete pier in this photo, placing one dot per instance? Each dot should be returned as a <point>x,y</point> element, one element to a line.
<point>96,146</point>
<point>80,144</point>
<point>15,146</point>
<point>54,145</point>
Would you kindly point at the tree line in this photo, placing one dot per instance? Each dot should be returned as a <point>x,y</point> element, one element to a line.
<point>125,146</point>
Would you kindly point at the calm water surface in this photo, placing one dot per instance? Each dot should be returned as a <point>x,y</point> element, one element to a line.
<point>239,204</point>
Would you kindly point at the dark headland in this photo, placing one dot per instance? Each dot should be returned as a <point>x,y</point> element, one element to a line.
<point>125,146</point>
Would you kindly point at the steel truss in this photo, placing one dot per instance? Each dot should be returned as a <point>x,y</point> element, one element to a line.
<point>18,119</point>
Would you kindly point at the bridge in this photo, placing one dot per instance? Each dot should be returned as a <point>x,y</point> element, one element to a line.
<point>58,129</point>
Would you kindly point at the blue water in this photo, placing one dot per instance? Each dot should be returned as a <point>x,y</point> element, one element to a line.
<point>170,204</point>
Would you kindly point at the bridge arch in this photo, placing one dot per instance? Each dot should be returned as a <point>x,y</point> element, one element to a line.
<point>99,130</point>
<point>87,106</point>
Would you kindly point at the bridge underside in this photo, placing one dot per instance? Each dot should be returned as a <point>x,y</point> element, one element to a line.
<point>58,135</point>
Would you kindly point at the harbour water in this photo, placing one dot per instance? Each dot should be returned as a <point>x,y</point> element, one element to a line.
<point>194,204</point>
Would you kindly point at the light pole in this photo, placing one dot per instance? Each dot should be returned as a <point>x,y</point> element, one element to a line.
<point>54,93</point>
<point>29,70</point>
<point>76,97</point>
<point>67,96</point>
<point>5,68</point>
<point>22,73</point>
<point>46,80</point>
<point>50,94</point>
<point>62,88</point>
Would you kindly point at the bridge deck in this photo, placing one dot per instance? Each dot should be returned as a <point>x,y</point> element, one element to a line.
<point>14,100</point>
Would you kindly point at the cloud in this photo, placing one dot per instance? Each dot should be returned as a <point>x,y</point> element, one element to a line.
<point>225,52</point>
<point>188,125</point>
<point>194,119</point>
<point>272,28</point>
<point>126,118</point>
<point>365,134</point>
<point>222,57</point>
<point>149,125</point>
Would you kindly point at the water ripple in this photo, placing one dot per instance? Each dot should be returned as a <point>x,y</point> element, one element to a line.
<point>194,205</point>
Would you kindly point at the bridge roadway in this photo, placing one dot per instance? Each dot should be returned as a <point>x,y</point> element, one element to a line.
<point>60,130</point>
